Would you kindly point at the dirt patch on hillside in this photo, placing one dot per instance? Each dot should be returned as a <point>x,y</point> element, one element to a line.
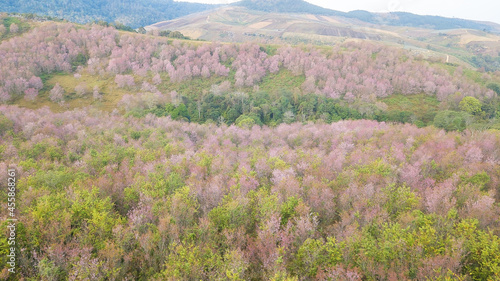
<point>467,38</point>
<point>259,25</point>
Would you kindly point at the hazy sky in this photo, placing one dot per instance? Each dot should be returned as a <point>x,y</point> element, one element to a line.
<point>487,10</point>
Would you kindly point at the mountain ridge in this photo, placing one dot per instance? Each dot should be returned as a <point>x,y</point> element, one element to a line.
<point>148,12</point>
<point>234,23</point>
<point>286,6</point>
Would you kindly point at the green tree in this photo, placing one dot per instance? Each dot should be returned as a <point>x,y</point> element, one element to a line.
<point>451,120</point>
<point>470,105</point>
<point>495,87</point>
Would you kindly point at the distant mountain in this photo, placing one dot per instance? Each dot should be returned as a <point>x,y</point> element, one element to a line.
<point>451,43</point>
<point>129,12</point>
<point>393,19</point>
<point>413,20</point>
<point>286,6</point>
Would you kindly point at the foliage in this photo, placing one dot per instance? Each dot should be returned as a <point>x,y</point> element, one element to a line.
<point>286,6</point>
<point>244,162</point>
<point>121,197</point>
<point>210,82</point>
<point>451,120</point>
<point>495,87</point>
<point>5,124</point>
<point>487,62</point>
<point>172,34</point>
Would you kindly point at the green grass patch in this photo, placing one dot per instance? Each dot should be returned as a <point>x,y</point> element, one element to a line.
<point>196,86</point>
<point>423,106</point>
<point>275,83</point>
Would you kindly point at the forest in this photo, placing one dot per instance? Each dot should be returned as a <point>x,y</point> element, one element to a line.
<point>130,13</point>
<point>142,157</point>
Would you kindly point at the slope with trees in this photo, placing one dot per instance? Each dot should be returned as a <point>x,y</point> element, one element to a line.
<point>216,82</point>
<point>108,197</point>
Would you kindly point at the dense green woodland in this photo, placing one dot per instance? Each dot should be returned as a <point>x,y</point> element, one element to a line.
<point>487,62</point>
<point>140,157</point>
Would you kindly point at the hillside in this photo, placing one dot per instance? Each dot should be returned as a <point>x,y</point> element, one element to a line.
<point>202,82</point>
<point>393,18</point>
<point>236,24</point>
<point>140,157</point>
<point>470,48</point>
<point>285,6</point>
<point>131,13</point>
<point>422,21</point>
<point>108,196</point>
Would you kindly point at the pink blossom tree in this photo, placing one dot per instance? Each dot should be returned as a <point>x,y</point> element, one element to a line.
<point>123,81</point>
<point>95,93</point>
<point>30,94</point>
<point>14,28</point>
<point>35,82</point>
<point>81,89</point>
<point>157,79</point>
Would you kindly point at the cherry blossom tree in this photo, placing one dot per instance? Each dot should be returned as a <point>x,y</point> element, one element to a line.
<point>124,81</point>
<point>35,82</point>
<point>81,89</point>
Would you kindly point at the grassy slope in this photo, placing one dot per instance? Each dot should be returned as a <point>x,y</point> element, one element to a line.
<point>274,83</point>
<point>111,94</point>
